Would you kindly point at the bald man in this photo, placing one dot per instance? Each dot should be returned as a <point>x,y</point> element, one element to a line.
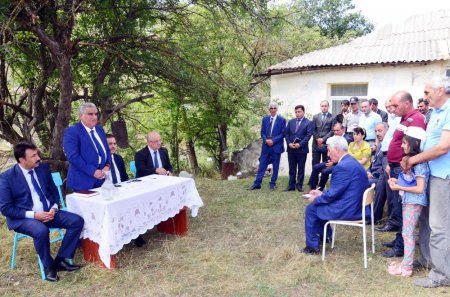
<point>152,159</point>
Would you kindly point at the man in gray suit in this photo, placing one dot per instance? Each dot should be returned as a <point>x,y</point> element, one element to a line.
<point>322,123</point>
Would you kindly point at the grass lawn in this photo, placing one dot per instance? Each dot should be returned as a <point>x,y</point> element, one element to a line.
<point>243,243</point>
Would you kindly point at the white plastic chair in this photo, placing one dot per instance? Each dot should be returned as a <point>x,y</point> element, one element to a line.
<point>367,198</point>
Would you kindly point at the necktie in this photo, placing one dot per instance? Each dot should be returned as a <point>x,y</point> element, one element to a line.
<point>156,159</point>
<point>38,191</point>
<point>324,116</point>
<point>100,151</point>
<point>270,126</point>
<point>298,125</point>
<point>113,170</point>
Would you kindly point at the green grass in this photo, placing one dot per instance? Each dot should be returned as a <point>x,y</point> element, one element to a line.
<point>243,243</point>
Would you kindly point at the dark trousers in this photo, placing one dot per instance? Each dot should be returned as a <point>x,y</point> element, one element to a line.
<point>380,197</point>
<point>73,224</point>
<point>314,227</point>
<point>324,171</point>
<point>296,168</point>
<point>318,157</point>
<point>264,160</point>
<point>396,205</point>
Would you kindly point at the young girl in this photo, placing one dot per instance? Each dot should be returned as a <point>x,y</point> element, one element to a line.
<point>412,187</point>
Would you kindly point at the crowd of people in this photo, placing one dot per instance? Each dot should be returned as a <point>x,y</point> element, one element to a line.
<point>29,198</point>
<point>403,151</point>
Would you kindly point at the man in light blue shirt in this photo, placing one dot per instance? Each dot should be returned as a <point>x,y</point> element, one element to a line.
<point>368,121</point>
<point>436,153</point>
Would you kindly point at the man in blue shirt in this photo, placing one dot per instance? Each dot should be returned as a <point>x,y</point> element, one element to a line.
<point>436,153</point>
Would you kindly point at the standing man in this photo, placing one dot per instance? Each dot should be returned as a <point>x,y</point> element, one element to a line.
<point>375,173</point>
<point>298,133</point>
<point>436,153</point>
<point>368,121</point>
<point>152,159</point>
<point>342,201</point>
<point>86,150</point>
<point>272,134</point>
<point>340,118</point>
<point>29,200</point>
<point>423,106</point>
<point>374,106</point>
<point>352,117</point>
<point>402,104</point>
<point>322,122</point>
<point>118,171</point>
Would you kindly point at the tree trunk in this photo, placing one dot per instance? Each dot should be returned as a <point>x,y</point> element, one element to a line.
<point>192,157</point>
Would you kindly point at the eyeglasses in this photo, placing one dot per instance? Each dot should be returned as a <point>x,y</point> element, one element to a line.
<point>272,108</point>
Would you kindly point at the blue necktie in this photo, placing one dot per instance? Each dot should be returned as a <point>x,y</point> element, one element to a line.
<point>156,160</point>
<point>113,170</point>
<point>100,151</point>
<point>38,191</point>
<point>298,125</point>
<point>270,126</point>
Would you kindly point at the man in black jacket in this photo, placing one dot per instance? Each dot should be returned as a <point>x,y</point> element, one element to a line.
<point>322,123</point>
<point>118,171</point>
<point>152,159</point>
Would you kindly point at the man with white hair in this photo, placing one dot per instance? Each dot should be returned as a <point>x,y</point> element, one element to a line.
<point>272,133</point>
<point>342,201</point>
<point>436,153</point>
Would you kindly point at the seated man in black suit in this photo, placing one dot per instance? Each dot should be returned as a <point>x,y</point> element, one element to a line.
<point>152,159</point>
<point>29,200</point>
<point>118,171</point>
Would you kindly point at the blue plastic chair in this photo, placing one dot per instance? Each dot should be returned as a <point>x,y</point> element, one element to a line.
<point>133,168</point>
<point>19,236</point>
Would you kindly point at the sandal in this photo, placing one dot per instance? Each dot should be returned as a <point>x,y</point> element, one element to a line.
<point>396,268</point>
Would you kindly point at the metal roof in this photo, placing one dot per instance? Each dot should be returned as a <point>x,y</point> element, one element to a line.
<point>418,39</point>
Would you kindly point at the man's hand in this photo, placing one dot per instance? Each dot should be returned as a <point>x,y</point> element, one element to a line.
<point>161,171</point>
<point>388,170</point>
<point>405,164</point>
<point>393,184</point>
<point>314,194</point>
<point>99,174</point>
<point>292,145</point>
<point>319,142</point>
<point>369,175</point>
<point>329,164</point>
<point>269,142</point>
<point>44,216</point>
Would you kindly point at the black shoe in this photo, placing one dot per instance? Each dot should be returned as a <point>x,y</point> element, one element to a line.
<point>310,250</point>
<point>289,190</point>
<point>64,266</point>
<point>139,241</point>
<point>300,189</point>
<point>417,264</point>
<point>387,228</point>
<point>392,253</point>
<point>328,240</point>
<point>272,187</point>
<point>254,188</point>
<point>389,244</point>
<point>51,275</point>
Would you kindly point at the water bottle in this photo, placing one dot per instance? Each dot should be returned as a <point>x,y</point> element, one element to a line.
<point>108,187</point>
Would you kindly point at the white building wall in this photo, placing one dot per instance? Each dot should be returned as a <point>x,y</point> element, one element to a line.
<point>309,88</point>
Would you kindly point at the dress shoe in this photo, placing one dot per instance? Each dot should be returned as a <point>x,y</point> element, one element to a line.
<point>254,188</point>
<point>417,264</point>
<point>51,275</point>
<point>328,240</point>
<point>392,253</point>
<point>389,244</point>
<point>64,266</point>
<point>425,282</point>
<point>272,187</point>
<point>387,228</point>
<point>300,189</point>
<point>289,190</point>
<point>310,250</point>
<point>139,241</point>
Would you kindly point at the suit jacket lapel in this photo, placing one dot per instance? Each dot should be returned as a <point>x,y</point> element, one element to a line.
<point>22,182</point>
<point>84,134</point>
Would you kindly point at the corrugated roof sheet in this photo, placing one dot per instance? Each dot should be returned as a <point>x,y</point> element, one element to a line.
<point>420,38</point>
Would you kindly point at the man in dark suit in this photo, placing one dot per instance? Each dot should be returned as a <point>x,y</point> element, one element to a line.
<point>87,150</point>
<point>374,106</point>
<point>375,173</point>
<point>343,201</point>
<point>272,134</point>
<point>118,171</point>
<point>152,159</point>
<point>29,200</point>
<point>322,123</point>
<point>298,132</point>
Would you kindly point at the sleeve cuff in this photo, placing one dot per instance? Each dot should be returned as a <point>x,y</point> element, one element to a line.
<point>29,214</point>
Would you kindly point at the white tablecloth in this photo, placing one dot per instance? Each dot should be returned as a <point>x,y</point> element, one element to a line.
<point>135,208</point>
